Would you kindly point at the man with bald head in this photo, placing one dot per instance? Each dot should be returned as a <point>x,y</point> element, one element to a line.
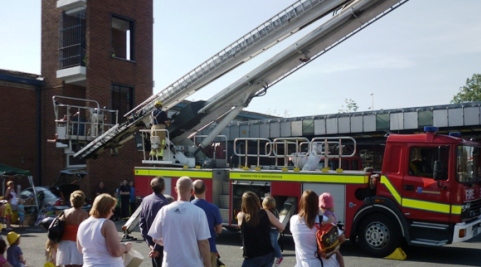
<point>213,217</point>
<point>183,230</point>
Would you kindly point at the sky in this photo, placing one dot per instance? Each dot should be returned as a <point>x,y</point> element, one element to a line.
<point>418,55</point>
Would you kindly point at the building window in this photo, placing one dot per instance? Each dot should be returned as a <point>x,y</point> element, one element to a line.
<point>122,38</point>
<point>122,100</point>
<point>72,45</point>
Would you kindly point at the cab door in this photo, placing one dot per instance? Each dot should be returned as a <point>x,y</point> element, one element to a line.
<point>423,198</point>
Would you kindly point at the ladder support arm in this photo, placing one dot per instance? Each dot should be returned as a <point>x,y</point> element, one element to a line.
<point>219,127</point>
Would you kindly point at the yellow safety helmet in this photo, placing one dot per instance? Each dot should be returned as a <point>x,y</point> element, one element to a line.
<point>12,237</point>
<point>158,103</point>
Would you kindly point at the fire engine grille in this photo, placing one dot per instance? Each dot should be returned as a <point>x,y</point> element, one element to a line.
<point>471,209</point>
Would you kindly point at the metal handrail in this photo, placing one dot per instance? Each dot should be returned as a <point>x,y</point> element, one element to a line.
<point>258,155</point>
<point>326,141</point>
<point>149,131</point>
<point>286,141</point>
<point>224,137</point>
<point>97,124</point>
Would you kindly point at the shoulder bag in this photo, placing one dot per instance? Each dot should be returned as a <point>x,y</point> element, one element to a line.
<point>56,228</point>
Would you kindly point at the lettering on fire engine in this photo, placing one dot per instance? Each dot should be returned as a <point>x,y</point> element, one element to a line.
<point>420,190</point>
<point>469,194</point>
<point>260,176</point>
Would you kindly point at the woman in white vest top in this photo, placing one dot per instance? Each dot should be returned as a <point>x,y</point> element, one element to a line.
<point>97,236</point>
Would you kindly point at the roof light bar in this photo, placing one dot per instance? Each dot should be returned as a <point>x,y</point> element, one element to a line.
<point>431,129</point>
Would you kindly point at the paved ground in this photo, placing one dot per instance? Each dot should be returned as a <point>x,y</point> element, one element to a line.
<point>463,254</point>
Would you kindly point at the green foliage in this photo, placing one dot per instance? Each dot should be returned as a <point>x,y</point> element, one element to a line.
<point>470,92</point>
<point>351,106</point>
<point>277,114</point>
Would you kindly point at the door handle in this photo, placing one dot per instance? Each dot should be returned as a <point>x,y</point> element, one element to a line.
<point>409,187</point>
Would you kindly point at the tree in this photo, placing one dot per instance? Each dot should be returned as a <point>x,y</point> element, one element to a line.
<point>277,114</point>
<point>470,92</point>
<point>351,106</point>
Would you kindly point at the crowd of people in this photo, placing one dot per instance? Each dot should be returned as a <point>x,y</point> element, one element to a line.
<point>177,233</point>
<point>126,199</point>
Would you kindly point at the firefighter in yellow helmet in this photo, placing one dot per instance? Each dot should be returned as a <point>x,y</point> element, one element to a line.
<point>160,121</point>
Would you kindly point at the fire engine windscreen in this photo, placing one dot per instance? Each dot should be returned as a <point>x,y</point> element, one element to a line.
<point>468,164</point>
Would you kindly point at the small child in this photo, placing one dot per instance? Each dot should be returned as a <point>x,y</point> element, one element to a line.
<point>326,205</point>
<point>51,251</point>
<point>2,213</point>
<point>117,212</point>
<point>269,203</point>
<point>3,247</point>
<point>21,212</point>
<point>14,253</point>
<point>8,215</point>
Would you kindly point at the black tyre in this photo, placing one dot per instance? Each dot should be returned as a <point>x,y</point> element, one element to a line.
<point>379,235</point>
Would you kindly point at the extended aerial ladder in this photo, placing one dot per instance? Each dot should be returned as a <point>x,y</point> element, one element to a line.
<point>285,23</point>
<point>350,17</point>
<point>233,99</point>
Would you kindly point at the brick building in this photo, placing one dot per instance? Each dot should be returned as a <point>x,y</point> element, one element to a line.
<point>97,50</point>
<point>19,120</point>
<point>102,51</point>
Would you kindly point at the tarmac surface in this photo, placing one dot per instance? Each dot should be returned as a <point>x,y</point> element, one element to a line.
<point>228,243</point>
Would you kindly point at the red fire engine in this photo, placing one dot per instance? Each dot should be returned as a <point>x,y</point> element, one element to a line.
<point>428,192</point>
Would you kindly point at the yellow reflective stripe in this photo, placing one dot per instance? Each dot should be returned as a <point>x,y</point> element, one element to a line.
<point>385,181</point>
<point>419,204</point>
<point>456,209</point>
<point>425,205</point>
<point>299,177</point>
<point>174,173</point>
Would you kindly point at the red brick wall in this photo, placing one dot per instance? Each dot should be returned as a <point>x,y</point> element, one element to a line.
<point>18,127</point>
<point>53,159</point>
<point>102,71</point>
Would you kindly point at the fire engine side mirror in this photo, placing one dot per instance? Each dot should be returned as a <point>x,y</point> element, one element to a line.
<point>439,173</point>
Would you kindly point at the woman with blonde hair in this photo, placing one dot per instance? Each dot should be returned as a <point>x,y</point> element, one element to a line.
<point>303,229</point>
<point>255,224</point>
<point>67,252</point>
<point>97,236</point>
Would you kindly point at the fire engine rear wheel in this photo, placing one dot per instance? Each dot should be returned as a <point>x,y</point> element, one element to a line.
<point>379,235</point>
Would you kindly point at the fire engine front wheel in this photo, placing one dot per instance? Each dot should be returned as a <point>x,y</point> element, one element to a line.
<point>379,235</point>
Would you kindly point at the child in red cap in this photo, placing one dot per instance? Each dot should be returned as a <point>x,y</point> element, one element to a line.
<point>326,205</point>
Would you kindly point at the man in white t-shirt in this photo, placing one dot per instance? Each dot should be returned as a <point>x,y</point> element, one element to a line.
<point>182,228</point>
